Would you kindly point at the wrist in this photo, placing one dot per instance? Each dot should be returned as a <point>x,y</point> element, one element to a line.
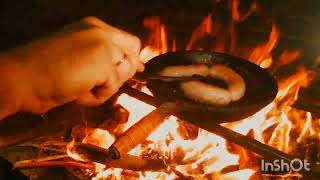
<point>13,77</point>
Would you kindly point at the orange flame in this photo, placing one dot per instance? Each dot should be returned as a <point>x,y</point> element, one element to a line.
<point>204,29</point>
<point>158,35</point>
<point>289,56</point>
<point>236,15</point>
<point>263,51</point>
<point>207,154</point>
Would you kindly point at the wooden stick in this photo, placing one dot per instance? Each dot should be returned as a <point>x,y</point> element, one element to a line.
<point>140,95</point>
<point>48,158</point>
<point>136,163</point>
<point>97,154</point>
<point>42,147</point>
<point>249,143</point>
<point>43,164</point>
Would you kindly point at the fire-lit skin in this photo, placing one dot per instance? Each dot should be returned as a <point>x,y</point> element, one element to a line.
<point>85,62</point>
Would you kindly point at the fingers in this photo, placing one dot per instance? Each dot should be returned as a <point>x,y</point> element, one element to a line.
<point>129,44</point>
<point>125,50</point>
<point>88,99</point>
<point>97,95</point>
<point>140,67</point>
<point>102,91</point>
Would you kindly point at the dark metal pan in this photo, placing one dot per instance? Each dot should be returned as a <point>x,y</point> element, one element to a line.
<point>261,88</point>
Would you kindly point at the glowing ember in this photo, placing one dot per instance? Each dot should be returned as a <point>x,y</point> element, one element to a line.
<point>99,138</point>
<point>147,53</point>
<point>71,154</point>
<point>208,155</point>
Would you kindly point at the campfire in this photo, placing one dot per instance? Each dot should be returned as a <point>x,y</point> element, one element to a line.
<point>180,150</point>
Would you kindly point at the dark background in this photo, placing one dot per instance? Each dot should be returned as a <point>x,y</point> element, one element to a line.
<point>21,21</point>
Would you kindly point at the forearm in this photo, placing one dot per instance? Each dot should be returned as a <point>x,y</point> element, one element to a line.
<point>66,66</point>
<point>13,80</point>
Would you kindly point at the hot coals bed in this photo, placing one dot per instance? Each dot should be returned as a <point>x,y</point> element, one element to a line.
<point>268,37</point>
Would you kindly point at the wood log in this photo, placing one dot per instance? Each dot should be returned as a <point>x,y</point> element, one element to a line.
<point>253,145</point>
<point>22,127</point>
<point>97,154</point>
<point>43,164</point>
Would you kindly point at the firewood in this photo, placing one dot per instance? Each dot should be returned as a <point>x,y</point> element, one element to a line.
<point>42,147</point>
<point>97,154</point>
<point>136,163</point>
<point>22,127</point>
<point>253,145</point>
<point>133,163</point>
<point>52,161</point>
<point>48,158</point>
<point>42,164</point>
<point>237,138</point>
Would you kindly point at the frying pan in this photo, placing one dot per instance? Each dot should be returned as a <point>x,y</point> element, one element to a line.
<point>261,88</point>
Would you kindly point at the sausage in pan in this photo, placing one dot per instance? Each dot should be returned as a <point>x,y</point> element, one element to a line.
<point>208,93</point>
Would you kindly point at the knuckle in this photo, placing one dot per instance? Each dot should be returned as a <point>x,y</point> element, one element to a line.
<point>97,31</point>
<point>98,36</point>
<point>100,47</point>
<point>113,88</point>
<point>98,100</point>
<point>91,20</point>
<point>136,42</point>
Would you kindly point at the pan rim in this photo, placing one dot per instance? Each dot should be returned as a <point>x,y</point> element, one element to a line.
<point>193,106</point>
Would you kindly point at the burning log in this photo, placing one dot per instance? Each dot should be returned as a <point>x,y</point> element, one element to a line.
<point>42,164</point>
<point>22,127</point>
<point>232,136</point>
<point>92,154</point>
<point>52,161</point>
<point>136,163</point>
<point>226,133</point>
<point>130,163</point>
<point>97,154</point>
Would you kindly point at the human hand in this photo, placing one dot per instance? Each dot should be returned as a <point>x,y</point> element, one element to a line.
<point>85,62</point>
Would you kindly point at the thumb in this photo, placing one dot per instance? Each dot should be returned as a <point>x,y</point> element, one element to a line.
<point>100,93</point>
